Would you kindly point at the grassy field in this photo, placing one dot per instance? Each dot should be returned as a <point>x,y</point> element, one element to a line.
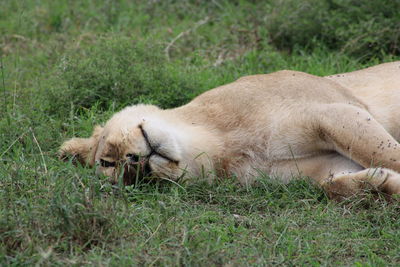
<point>68,65</point>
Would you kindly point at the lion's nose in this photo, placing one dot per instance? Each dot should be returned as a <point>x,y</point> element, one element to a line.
<point>135,171</point>
<point>131,173</point>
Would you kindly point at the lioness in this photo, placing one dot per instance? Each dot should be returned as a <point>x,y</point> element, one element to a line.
<point>341,130</point>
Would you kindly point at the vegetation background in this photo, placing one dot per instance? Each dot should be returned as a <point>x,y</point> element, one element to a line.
<point>68,65</point>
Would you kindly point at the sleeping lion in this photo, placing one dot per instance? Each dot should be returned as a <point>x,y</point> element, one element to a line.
<point>343,131</point>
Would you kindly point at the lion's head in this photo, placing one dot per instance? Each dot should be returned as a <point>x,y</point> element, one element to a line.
<point>134,143</point>
<point>139,141</point>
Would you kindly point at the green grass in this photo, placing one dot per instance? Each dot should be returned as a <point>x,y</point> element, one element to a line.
<point>68,65</point>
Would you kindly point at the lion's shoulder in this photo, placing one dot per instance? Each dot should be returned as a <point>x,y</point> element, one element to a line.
<point>273,75</point>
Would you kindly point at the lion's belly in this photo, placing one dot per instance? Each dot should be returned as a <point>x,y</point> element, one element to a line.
<point>254,150</point>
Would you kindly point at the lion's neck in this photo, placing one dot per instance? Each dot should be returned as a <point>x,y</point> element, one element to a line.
<point>201,147</point>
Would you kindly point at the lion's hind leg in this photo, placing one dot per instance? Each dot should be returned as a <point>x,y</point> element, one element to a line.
<point>343,185</point>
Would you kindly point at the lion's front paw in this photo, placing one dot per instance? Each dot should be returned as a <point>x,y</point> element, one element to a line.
<point>391,185</point>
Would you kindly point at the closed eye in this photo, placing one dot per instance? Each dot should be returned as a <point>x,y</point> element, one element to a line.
<point>133,157</point>
<point>106,164</point>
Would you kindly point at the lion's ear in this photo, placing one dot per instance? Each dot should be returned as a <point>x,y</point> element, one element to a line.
<point>81,150</point>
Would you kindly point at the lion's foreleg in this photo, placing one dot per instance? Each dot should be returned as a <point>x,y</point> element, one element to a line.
<point>378,179</point>
<point>354,133</point>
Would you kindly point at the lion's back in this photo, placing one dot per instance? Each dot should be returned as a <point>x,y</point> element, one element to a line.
<point>272,92</point>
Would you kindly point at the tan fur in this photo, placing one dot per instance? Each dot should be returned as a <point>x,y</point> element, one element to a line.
<point>341,130</point>
<point>83,150</point>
